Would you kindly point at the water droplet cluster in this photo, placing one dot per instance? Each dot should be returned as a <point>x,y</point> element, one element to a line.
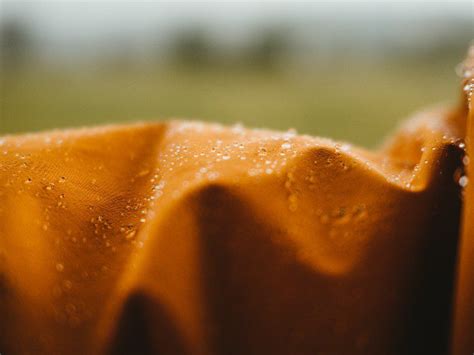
<point>466,71</point>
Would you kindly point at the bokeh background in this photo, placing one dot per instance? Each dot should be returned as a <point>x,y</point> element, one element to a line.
<point>347,70</point>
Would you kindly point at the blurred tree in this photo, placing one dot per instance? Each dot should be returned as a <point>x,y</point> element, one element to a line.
<point>15,45</point>
<point>269,49</point>
<point>445,47</point>
<point>192,48</point>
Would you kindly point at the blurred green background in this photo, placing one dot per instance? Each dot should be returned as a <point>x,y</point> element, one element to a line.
<point>344,70</point>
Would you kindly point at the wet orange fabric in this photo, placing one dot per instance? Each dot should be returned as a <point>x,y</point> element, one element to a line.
<point>463,327</point>
<point>189,238</point>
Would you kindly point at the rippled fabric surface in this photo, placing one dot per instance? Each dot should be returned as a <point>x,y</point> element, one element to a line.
<point>189,238</point>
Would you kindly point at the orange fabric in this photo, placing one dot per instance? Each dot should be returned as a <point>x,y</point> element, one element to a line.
<point>188,238</point>
<point>463,331</point>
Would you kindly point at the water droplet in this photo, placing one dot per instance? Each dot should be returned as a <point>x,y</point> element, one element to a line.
<point>340,216</point>
<point>213,175</point>
<point>293,202</point>
<point>59,267</point>
<point>130,235</point>
<point>28,180</point>
<point>463,181</point>
<point>62,179</point>
<point>226,157</point>
<point>252,172</point>
<point>324,219</point>
<point>286,145</point>
<point>70,308</point>
<point>67,284</point>
<point>345,147</point>
<point>143,173</point>
<point>360,212</point>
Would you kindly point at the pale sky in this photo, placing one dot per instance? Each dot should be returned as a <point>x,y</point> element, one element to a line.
<point>87,24</point>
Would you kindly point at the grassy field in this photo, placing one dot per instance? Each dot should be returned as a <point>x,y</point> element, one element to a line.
<point>360,103</point>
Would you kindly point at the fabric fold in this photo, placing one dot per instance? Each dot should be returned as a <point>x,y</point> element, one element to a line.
<point>191,238</point>
<point>463,325</point>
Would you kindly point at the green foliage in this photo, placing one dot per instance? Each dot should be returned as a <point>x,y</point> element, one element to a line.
<point>15,45</point>
<point>357,102</point>
<point>191,48</point>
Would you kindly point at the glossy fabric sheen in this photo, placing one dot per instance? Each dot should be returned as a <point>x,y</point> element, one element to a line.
<point>190,238</point>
